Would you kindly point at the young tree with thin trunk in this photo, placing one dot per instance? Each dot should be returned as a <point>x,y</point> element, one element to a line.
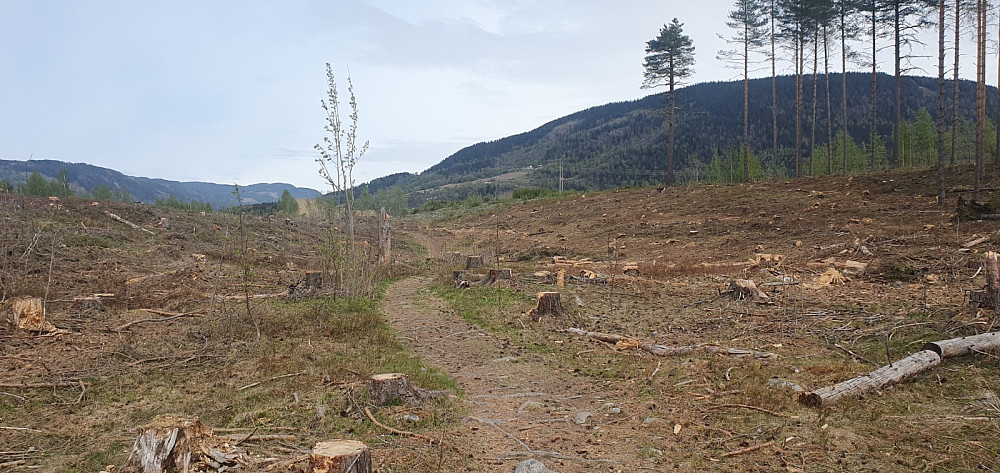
<point>794,27</point>
<point>669,60</point>
<point>747,19</point>
<point>955,82</point>
<point>340,150</point>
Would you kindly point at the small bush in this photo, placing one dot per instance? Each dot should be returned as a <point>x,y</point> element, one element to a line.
<point>528,193</point>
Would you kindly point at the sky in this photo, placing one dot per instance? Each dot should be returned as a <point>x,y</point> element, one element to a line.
<point>229,91</point>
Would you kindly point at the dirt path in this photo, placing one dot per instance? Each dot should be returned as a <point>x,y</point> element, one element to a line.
<point>518,407</point>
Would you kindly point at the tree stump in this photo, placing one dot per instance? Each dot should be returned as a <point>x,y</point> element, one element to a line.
<point>314,280</point>
<point>992,270</point>
<point>472,262</point>
<point>496,275</point>
<point>30,315</point>
<point>340,456</point>
<point>391,388</point>
<point>549,303</point>
<point>166,445</point>
<point>745,289</point>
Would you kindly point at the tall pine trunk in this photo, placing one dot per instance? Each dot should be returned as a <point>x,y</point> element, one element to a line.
<point>843,81</point>
<point>829,111</point>
<point>941,105</point>
<point>799,66</point>
<point>746,105</point>
<point>670,134</point>
<point>815,104</point>
<point>955,83</point>
<point>774,94</point>
<point>874,130</point>
<point>981,10</point>
<point>898,84</point>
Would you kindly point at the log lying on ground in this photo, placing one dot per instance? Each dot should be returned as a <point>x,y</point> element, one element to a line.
<point>884,376</point>
<point>963,346</point>
<point>661,350</point>
<point>167,444</point>
<point>130,224</point>
<point>340,456</point>
<point>390,388</point>
<point>549,303</point>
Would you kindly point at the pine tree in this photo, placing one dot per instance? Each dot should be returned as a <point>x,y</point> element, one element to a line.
<point>748,19</point>
<point>669,60</point>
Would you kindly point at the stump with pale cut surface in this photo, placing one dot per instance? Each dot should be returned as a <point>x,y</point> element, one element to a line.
<point>340,456</point>
<point>167,444</point>
<point>391,388</point>
<point>496,275</point>
<point>29,314</point>
<point>549,303</point>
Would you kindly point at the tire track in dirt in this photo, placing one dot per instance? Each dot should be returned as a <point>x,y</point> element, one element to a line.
<point>517,407</point>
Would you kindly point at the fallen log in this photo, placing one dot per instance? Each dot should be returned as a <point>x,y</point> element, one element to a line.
<point>887,375</point>
<point>963,346</point>
<point>130,224</point>
<point>662,350</point>
<point>340,456</point>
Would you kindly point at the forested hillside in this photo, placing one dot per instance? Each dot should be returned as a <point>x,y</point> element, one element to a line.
<point>624,144</point>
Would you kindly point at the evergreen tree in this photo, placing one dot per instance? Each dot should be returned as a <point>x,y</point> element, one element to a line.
<point>669,60</point>
<point>288,205</point>
<point>748,19</point>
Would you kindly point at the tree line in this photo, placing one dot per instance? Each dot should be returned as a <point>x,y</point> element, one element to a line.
<point>811,33</point>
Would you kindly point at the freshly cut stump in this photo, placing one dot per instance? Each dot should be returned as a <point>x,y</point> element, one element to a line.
<point>30,315</point>
<point>549,303</point>
<point>743,289</point>
<point>390,388</point>
<point>497,275</point>
<point>340,456</point>
<point>166,445</point>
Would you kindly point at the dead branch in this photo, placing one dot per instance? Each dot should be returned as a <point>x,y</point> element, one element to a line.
<point>59,384</point>
<point>747,406</point>
<point>661,350</point>
<point>289,375</point>
<point>130,224</point>
<point>748,449</point>
<point>368,413</point>
<point>161,319</point>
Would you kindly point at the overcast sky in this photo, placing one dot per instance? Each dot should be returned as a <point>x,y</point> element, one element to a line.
<point>229,91</point>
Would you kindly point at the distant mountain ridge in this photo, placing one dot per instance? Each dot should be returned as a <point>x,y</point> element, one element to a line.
<point>84,177</point>
<point>624,143</point>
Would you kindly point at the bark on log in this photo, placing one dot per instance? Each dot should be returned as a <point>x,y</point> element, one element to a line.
<point>167,444</point>
<point>963,346</point>
<point>340,456</point>
<point>29,314</point>
<point>472,262</point>
<point>549,303</point>
<point>884,376</point>
<point>662,350</point>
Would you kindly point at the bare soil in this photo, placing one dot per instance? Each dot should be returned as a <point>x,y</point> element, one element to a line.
<point>292,371</point>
